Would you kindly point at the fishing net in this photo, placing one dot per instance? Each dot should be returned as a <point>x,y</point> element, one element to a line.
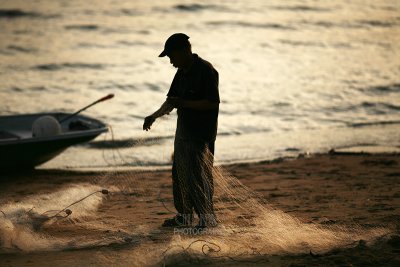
<point>248,227</point>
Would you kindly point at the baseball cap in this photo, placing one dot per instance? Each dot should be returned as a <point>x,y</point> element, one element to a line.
<point>175,42</point>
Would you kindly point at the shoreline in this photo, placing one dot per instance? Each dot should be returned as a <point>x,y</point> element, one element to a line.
<point>345,150</point>
<point>236,148</point>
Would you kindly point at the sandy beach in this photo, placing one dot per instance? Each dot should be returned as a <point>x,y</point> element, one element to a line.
<point>352,190</point>
<point>290,82</point>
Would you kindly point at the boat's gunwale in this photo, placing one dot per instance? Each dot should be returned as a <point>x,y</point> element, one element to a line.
<point>64,136</point>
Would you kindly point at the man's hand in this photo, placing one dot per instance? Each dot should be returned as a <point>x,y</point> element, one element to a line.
<point>176,102</point>
<point>148,121</point>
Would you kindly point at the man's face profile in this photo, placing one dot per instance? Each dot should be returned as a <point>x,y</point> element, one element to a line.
<point>177,58</point>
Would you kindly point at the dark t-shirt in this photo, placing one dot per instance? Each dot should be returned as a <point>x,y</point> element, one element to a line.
<point>199,83</point>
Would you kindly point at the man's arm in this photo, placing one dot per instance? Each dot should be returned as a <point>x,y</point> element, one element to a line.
<point>165,108</point>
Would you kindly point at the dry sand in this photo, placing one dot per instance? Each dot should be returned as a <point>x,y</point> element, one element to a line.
<point>328,189</point>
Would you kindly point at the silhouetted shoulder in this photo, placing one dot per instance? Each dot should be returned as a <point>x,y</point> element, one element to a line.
<point>207,66</point>
<point>209,81</point>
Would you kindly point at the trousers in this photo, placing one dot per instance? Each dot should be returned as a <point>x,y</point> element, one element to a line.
<point>192,178</point>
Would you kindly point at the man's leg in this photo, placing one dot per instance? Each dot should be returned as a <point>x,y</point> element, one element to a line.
<point>202,185</point>
<point>209,172</point>
<point>182,201</point>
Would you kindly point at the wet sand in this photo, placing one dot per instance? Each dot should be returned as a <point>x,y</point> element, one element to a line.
<point>328,189</point>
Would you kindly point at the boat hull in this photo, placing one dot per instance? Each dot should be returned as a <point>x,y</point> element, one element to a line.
<point>28,152</point>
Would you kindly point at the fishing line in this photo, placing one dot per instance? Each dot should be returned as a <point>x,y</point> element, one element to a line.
<point>162,202</point>
<point>103,191</point>
<point>211,248</point>
<point>44,217</point>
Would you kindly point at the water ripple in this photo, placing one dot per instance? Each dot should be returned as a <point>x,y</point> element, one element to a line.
<point>381,90</point>
<point>360,24</point>
<point>21,49</point>
<point>197,7</point>
<point>123,12</point>
<point>62,66</point>
<point>18,13</point>
<point>251,25</point>
<point>82,27</point>
<point>301,8</point>
<point>372,123</point>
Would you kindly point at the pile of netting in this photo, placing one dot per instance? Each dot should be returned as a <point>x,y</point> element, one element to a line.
<point>248,227</point>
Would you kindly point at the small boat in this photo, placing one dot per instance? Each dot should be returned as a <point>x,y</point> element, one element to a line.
<point>21,148</point>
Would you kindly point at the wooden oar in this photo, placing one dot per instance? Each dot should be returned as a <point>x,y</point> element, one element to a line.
<point>88,106</point>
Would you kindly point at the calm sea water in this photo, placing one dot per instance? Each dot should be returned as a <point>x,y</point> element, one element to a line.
<point>295,76</point>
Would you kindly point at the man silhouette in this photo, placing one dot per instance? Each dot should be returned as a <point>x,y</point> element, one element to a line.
<point>194,93</point>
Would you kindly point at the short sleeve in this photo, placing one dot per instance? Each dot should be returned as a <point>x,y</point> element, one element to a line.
<point>173,89</point>
<point>210,83</point>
